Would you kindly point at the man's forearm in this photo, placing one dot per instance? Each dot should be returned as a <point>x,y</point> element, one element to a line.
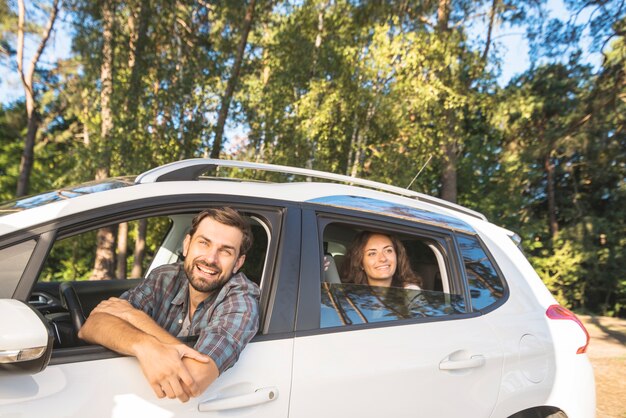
<point>145,323</point>
<point>171,368</point>
<point>139,319</point>
<point>203,373</point>
<point>113,333</point>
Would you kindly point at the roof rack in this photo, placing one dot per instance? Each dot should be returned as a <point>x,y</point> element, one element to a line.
<point>192,169</point>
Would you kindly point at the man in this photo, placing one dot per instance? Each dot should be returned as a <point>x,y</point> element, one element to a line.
<point>205,296</point>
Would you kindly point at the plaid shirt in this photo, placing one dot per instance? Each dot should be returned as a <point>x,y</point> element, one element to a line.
<point>224,322</point>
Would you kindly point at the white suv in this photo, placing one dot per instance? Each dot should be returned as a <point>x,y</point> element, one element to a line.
<point>483,337</point>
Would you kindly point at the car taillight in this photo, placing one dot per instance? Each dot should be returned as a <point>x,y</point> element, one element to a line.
<point>559,312</point>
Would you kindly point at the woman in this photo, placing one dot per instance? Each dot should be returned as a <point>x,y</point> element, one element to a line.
<point>380,260</point>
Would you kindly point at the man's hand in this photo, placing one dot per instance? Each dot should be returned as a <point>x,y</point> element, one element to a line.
<point>163,366</point>
<point>172,368</point>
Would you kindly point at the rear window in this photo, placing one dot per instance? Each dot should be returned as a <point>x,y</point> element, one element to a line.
<point>485,285</point>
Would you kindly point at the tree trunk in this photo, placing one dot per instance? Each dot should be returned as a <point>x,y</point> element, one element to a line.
<point>316,52</point>
<point>448,171</point>
<point>27,78</point>
<point>106,92</point>
<point>318,37</point>
<point>86,107</point>
<point>140,249</point>
<point>122,250</point>
<point>361,142</point>
<point>492,18</point>
<point>443,15</point>
<point>104,265</point>
<point>232,81</point>
<point>448,144</point>
<point>137,45</point>
<point>550,193</point>
<point>28,157</point>
<point>350,167</point>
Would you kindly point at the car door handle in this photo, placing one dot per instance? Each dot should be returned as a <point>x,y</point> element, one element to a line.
<point>471,363</point>
<point>258,397</point>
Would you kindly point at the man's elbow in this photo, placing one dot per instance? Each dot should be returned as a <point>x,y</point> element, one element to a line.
<point>85,332</point>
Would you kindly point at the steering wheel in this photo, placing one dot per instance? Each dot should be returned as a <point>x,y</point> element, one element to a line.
<point>70,301</point>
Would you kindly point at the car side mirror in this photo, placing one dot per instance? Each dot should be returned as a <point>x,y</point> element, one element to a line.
<point>26,343</point>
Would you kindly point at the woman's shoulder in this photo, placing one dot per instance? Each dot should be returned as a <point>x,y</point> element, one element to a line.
<point>412,286</point>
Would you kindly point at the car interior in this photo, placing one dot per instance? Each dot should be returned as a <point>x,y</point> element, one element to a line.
<point>346,303</point>
<point>425,257</point>
<point>66,299</point>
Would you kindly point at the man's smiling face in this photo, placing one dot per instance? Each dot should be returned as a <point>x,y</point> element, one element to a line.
<point>212,255</point>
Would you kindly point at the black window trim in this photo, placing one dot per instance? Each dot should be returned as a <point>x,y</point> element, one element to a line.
<point>315,218</point>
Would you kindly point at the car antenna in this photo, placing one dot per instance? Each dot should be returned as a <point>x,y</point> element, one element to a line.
<point>420,172</point>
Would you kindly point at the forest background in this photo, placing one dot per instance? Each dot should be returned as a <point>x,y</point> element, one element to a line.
<point>376,89</point>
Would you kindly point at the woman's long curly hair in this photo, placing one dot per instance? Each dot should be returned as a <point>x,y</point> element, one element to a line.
<point>352,268</point>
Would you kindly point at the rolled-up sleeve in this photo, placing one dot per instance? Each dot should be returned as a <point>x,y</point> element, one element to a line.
<point>233,323</point>
<point>142,296</point>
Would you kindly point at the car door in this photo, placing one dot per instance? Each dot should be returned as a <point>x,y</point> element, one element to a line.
<point>434,366</point>
<point>91,381</point>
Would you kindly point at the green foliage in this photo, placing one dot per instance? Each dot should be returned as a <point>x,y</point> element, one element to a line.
<point>374,89</point>
<point>561,270</point>
<point>12,127</point>
<point>72,258</point>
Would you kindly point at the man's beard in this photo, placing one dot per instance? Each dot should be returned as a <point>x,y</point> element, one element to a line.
<point>200,283</point>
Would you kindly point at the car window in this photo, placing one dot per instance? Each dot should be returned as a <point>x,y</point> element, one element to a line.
<point>149,243</point>
<point>74,258</point>
<point>485,285</point>
<point>350,294</point>
<point>13,260</point>
<point>351,304</point>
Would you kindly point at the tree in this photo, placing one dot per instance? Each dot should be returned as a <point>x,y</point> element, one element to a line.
<point>232,80</point>
<point>13,123</point>
<point>104,263</point>
<point>27,76</point>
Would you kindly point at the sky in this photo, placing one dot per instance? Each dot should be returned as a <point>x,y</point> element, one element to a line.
<point>515,54</point>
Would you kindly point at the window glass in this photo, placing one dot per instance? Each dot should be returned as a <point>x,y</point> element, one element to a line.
<point>13,261</point>
<point>74,258</point>
<point>377,275</point>
<point>148,243</point>
<point>485,285</point>
<point>352,304</point>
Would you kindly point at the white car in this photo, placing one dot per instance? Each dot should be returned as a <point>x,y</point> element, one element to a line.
<point>483,337</point>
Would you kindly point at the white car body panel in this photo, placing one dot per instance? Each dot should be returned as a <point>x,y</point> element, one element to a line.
<point>116,388</point>
<point>377,370</point>
<point>294,192</point>
<point>394,372</point>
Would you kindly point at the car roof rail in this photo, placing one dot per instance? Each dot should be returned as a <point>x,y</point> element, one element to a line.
<point>192,169</point>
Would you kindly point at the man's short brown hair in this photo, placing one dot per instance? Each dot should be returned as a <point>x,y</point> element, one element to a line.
<point>227,216</point>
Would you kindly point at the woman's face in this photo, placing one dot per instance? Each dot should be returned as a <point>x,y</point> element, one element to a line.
<point>379,260</point>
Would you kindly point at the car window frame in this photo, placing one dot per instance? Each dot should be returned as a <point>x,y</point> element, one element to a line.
<point>277,311</point>
<point>316,218</point>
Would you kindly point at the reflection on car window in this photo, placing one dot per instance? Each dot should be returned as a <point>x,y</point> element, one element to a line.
<point>352,304</point>
<point>485,285</point>
<point>64,194</point>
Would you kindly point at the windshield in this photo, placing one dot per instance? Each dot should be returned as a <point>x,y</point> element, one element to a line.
<point>34,201</point>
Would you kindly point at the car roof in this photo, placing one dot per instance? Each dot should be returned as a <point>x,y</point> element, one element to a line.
<point>185,177</point>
